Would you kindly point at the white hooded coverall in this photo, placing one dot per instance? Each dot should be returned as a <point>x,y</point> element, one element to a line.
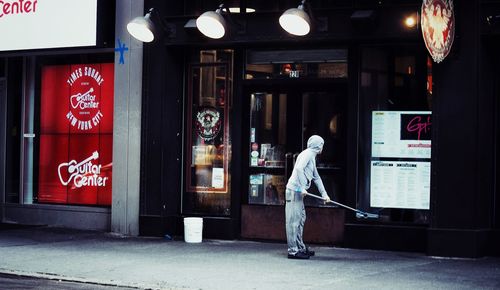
<point>303,172</point>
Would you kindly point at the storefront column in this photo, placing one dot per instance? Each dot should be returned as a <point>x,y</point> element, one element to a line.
<point>462,144</point>
<point>127,122</point>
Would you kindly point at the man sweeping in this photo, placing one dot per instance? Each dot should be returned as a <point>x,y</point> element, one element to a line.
<point>303,172</point>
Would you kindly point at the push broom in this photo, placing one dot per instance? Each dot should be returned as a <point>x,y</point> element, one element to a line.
<point>359,213</point>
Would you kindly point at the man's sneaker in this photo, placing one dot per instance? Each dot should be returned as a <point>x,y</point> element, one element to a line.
<point>298,255</point>
<point>310,253</point>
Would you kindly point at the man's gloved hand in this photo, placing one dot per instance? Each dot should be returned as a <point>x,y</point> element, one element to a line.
<point>327,199</point>
<point>303,194</point>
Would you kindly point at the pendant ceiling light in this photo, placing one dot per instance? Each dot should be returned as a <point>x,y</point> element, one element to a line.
<point>296,21</point>
<point>142,28</point>
<point>212,24</point>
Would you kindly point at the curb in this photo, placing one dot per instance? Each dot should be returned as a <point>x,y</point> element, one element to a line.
<point>50,276</point>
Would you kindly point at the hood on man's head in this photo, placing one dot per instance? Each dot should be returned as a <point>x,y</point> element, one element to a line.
<point>315,143</point>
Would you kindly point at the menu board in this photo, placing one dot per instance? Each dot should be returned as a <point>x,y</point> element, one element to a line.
<point>404,136</point>
<point>400,184</point>
<point>401,134</point>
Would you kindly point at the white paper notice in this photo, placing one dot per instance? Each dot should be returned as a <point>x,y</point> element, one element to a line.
<point>400,184</point>
<point>218,177</point>
<point>401,134</point>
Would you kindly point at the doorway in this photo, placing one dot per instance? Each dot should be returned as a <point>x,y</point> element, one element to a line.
<point>281,119</point>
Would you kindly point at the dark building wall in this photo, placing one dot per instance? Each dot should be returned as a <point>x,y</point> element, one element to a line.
<point>462,143</point>
<point>490,14</point>
<point>162,133</point>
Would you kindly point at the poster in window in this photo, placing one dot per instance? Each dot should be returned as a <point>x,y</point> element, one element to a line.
<point>401,134</point>
<point>400,184</point>
<point>208,123</point>
<point>217,177</point>
<point>405,135</point>
<point>76,121</point>
<point>256,189</point>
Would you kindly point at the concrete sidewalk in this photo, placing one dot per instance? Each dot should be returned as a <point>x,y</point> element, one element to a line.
<point>155,263</point>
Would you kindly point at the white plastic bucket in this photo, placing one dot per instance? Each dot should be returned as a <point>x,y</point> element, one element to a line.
<point>193,229</point>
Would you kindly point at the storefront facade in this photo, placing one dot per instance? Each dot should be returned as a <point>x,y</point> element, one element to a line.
<point>224,118</point>
<point>66,93</point>
<point>209,128</point>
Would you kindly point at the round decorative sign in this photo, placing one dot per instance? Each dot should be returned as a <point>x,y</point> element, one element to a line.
<point>438,27</point>
<point>84,111</point>
<point>207,123</point>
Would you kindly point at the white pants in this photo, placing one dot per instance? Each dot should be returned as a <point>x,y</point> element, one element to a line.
<point>295,215</point>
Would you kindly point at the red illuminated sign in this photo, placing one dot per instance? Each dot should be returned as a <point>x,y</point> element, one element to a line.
<point>438,27</point>
<point>76,140</point>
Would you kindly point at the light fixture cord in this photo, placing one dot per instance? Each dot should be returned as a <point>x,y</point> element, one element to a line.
<point>221,9</point>
<point>150,13</point>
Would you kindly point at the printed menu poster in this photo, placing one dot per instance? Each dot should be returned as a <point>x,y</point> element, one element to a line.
<point>404,136</point>
<point>400,184</point>
<point>401,134</point>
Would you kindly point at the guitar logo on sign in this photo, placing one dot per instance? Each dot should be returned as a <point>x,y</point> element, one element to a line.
<point>83,173</point>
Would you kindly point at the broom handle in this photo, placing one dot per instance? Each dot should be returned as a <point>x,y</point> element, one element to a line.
<point>336,203</point>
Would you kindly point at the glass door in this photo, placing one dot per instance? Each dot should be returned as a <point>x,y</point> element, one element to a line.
<point>208,142</point>
<point>281,122</point>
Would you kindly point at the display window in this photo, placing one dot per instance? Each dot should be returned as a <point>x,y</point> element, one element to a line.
<point>76,134</point>
<point>268,138</point>
<point>395,122</point>
<point>293,94</point>
<point>281,122</point>
<point>208,143</point>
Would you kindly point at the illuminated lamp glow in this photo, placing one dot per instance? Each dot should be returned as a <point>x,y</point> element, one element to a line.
<point>296,21</point>
<point>211,24</point>
<point>142,28</point>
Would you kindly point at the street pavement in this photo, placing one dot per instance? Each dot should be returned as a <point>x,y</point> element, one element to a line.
<point>105,259</point>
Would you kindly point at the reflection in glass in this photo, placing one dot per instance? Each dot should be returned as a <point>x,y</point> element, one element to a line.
<point>324,115</point>
<point>267,189</point>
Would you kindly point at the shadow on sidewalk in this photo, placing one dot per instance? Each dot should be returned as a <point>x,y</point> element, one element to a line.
<point>15,226</point>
